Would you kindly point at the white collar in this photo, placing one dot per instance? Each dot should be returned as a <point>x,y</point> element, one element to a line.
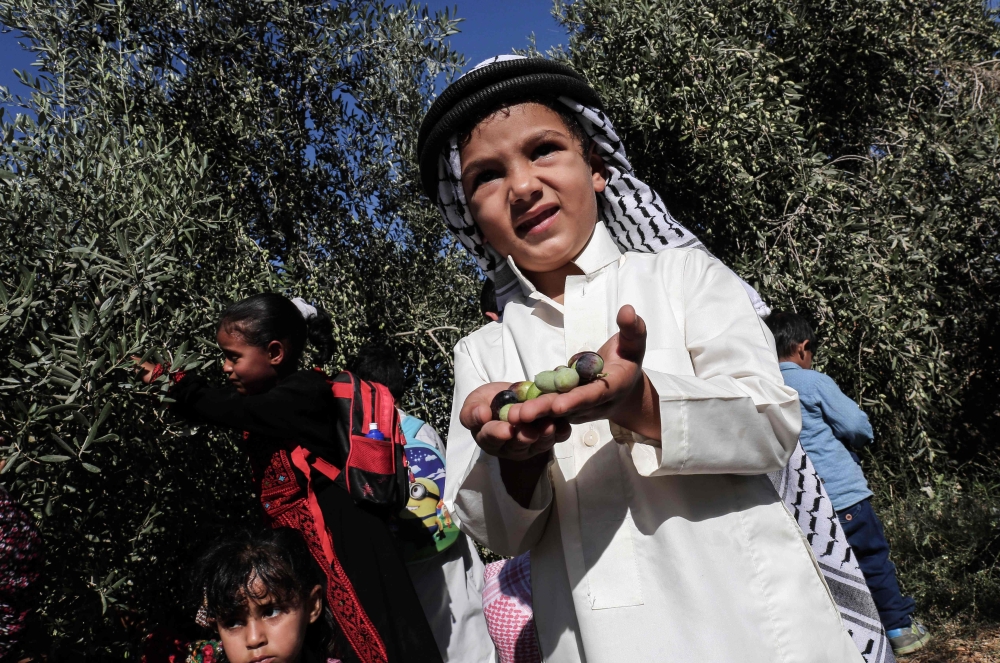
<point>601,251</point>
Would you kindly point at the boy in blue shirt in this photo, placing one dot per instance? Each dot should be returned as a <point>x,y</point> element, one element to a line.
<point>833,429</point>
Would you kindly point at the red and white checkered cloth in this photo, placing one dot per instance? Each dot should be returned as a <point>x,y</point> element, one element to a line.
<point>507,606</point>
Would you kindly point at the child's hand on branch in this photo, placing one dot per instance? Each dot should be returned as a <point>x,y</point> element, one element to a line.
<point>624,395</point>
<point>502,439</point>
<point>145,369</point>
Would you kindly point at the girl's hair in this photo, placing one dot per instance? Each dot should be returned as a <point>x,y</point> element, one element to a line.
<point>226,574</point>
<point>267,317</point>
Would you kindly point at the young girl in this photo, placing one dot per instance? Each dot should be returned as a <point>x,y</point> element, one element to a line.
<point>264,594</point>
<point>277,406</point>
<point>653,530</point>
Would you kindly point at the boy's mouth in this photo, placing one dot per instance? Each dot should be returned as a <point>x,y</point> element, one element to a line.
<point>537,220</point>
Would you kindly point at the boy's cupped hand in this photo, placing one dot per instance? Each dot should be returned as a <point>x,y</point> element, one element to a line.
<point>504,439</point>
<point>624,396</point>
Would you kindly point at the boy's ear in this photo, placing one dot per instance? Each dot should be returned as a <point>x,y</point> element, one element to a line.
<point>598,167</point>
<point>275,353</point>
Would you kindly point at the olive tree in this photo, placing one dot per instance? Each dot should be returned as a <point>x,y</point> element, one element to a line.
<point>173,157</point>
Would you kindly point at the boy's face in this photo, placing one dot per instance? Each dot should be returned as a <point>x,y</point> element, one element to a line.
<point>530,188</point>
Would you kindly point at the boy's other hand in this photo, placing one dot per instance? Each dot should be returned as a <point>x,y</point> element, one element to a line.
<point>625,395</point>
<point>502,439</point>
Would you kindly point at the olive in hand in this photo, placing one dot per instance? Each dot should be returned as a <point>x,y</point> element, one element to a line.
<point>566,379</point>
<point>501,400</point>
<point>546,382</point>
<point>525,390</point>
<point>589,365</point>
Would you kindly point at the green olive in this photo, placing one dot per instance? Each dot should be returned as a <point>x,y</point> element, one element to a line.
<point>566,379</point>
<point>546,382</point>
<point>522,389</point>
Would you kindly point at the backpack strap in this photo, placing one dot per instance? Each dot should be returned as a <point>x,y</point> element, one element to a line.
<point>342,600</point>
<point>383,408</point>
<point>411,426</point>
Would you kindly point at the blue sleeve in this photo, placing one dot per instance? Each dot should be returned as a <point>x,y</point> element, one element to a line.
<point>849,423</point>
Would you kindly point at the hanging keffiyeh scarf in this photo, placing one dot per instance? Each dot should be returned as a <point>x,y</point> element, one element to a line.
<point>633,213</point>
<point>805,497</point>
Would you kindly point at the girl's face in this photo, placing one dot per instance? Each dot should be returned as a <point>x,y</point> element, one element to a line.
<point>269,632</point>
<point>250,369</point>
<point>530,188</point>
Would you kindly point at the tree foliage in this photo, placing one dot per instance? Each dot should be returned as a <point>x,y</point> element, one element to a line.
<point>173,157</point>
<point>843,157</point>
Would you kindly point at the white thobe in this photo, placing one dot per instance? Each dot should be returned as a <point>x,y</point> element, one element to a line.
<point>681,552</point>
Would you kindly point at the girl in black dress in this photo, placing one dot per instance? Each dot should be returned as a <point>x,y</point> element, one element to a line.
<point>278,407</point>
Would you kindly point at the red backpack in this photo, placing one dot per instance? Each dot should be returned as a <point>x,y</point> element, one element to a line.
<point>375,472</point>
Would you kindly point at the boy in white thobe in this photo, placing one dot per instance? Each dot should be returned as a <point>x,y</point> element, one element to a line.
<point>653,531</point>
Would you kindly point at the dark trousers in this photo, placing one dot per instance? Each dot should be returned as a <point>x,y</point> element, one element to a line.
<point>867,538</point>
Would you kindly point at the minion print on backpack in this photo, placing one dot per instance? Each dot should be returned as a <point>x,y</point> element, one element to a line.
<point>424,527</point>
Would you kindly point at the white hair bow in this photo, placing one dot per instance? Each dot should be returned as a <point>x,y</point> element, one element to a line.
<point>307,310</point>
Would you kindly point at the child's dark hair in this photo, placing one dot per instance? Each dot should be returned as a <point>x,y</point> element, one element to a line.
<point>267,317</point>
<point>553,104</point>
<point>378,363</point>
<point>789,330</point>
<point>226,576</point>
<point>488,298</point>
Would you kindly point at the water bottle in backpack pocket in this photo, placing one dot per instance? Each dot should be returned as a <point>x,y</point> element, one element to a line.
<point>369,437</point>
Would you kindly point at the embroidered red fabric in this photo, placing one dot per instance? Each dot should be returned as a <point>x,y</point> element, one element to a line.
<point>160,369</point>
<point>285,505</point>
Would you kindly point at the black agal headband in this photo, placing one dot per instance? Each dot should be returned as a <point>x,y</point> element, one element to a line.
<point>483,88</point>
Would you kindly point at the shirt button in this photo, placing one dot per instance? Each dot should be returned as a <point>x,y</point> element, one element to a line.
<point>590,438</point>
<point>848,517</point>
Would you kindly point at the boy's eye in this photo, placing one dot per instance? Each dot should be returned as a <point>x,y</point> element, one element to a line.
<point>544,149</point>
<point>230,623</point>
<point>484,177</point>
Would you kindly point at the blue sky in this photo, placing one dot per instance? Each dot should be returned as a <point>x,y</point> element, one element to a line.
<point>497,26</point>
<point>490,27</point>
<point>12,56</point>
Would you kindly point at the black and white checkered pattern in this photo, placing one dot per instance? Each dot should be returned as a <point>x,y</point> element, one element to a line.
<point>806,499</point>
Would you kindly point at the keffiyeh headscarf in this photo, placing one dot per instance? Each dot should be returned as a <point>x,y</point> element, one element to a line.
<point>634,214</point>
